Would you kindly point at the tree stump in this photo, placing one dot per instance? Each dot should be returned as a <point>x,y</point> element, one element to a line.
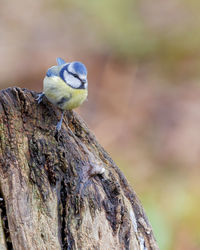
<point>61,190</point>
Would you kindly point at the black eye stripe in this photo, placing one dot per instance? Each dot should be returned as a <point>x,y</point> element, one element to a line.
<point>65,68</point>
<point>75,75</point>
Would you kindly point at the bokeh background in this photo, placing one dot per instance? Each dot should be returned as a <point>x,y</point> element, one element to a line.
<point>143,59</point>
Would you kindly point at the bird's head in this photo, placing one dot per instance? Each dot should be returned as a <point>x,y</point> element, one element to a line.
<point>75,75</point>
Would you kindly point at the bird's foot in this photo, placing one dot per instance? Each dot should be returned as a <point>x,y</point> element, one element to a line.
<point>39,97</point>
<point>59,124</point>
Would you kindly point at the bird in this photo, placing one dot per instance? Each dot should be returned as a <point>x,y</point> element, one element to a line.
<point>65,85</point>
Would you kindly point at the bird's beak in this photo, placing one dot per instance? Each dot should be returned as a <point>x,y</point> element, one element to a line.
<point>85,83</point>
<point>83,80</point>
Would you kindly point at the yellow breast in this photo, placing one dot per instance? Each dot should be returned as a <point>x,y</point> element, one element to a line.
<point>62,95</point>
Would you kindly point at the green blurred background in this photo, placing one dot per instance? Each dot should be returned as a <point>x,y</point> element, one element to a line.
<point>143,60</point>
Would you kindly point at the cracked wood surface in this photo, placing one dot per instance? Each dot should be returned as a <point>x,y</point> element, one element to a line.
<point>55,194</point>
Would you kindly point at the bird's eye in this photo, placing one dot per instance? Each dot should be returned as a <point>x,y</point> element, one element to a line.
<point>71,80</point>
<point>75,75</point>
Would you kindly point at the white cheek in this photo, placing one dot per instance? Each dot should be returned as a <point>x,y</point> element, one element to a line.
<point>70,68</point>
<point>71,80</point>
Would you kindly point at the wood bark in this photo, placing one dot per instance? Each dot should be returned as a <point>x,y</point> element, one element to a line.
<point>54,192</point>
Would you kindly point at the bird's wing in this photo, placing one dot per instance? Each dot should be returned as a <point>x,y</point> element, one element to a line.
<point>55,89</point>
<point>53,71</point>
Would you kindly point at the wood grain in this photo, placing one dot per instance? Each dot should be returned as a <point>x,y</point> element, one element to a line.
<point>61,191</point>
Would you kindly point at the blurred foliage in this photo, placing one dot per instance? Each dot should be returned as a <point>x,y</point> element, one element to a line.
<point>172,203</point>
<point>121,27</point>
<point>142,29</point>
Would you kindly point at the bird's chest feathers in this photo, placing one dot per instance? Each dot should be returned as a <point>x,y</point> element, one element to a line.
<point>78,96</point>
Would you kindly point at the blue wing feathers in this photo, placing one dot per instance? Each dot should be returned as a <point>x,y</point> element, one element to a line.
<point>51,72</point>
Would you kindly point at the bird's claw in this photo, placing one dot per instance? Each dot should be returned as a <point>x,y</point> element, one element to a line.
<point>39,98</point>
<point>58,126</point>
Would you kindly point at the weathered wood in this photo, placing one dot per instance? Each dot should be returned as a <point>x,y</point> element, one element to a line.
<point>55,194</point>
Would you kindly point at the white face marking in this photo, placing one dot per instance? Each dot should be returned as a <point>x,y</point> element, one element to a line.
<point>71,69</point>
<point>71,80</point>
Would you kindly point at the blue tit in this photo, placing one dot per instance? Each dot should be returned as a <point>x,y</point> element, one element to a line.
<point>65,85</point>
